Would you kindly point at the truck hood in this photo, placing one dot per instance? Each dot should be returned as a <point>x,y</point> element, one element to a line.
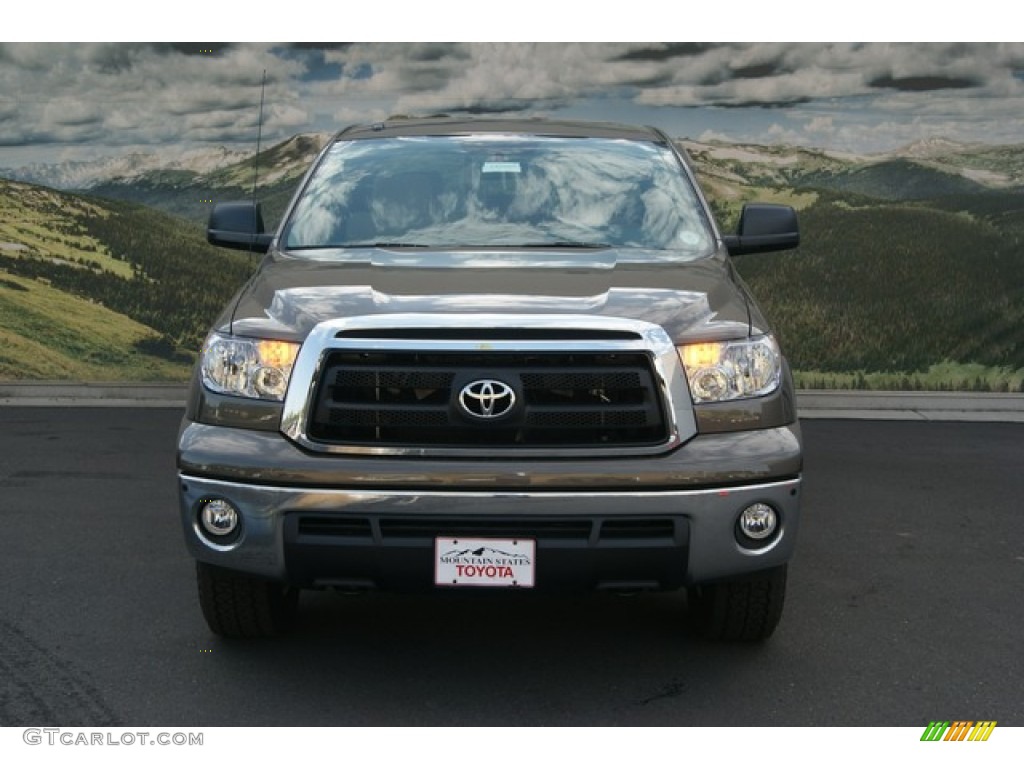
<point>700,300</point>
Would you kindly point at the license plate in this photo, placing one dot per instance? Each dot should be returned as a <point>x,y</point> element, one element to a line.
<point>473,562</point>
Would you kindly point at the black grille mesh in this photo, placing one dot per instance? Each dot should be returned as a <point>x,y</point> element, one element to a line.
<point>544,529</point>
<point>563,399</point>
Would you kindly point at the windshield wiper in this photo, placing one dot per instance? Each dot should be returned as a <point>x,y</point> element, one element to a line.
<point>581,244</point>
<point>385,244</point>
<point>382,244</point>
<point>566,244</point>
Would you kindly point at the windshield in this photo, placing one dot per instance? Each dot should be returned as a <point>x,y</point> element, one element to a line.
<point>498,191</point>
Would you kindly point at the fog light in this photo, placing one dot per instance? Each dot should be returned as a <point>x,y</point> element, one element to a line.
<point>758,522</point>
<point>218,517</point>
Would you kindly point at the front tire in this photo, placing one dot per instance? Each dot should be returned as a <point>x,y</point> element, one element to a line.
<point>236,605</point>
<point>747,608</point>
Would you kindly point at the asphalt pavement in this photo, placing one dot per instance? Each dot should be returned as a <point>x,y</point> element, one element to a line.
<point>903,605</point>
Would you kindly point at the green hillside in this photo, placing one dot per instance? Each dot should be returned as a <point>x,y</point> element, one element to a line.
<point>892,180</point>
<point>88,283</point>
<point>910,273</point>
<point>46,333</point>
<point>901,288</point>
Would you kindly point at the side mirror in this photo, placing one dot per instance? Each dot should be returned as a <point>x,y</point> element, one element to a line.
<point>238,225</point>
<point>764,227</point>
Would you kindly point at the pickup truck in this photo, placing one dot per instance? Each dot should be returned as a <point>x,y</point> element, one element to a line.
<point>493,355</point>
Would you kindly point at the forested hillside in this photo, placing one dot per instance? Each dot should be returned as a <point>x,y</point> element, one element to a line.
<point>121,259</point>
<point>900,288</point>
<point>910,273</point>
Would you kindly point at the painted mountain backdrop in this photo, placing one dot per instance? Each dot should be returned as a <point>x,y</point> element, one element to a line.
<point>910,274</point>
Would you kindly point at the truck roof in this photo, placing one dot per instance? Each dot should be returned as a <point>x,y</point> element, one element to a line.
<point>454,126</point>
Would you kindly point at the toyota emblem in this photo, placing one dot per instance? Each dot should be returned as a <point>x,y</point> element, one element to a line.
<point>487,399</point>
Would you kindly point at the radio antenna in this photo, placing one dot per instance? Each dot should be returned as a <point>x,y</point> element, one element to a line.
<point>259,136</point>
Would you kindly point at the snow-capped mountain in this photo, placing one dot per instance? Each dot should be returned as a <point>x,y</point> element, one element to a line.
<point>932,147</point>
<point>88,173</point>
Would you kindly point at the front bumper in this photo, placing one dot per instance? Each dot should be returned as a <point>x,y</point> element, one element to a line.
<point>659,522</point>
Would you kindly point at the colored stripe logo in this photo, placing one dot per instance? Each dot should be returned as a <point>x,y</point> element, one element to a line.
<point>959,730</point>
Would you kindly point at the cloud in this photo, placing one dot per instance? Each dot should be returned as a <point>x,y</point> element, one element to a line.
<point>132,94</point>
<point>821,125</point>
<point>129,94</point>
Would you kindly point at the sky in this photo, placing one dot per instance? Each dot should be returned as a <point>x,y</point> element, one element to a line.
<point>83,100</point>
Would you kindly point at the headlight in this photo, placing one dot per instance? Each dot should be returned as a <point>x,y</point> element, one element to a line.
<point>258,368</point>
<point>732,370</point>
